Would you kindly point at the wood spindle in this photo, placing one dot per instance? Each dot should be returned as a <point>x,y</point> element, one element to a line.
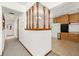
<point>37,4</point>
<point>44,16</point>
<point>32,17</point>
<point>27,20</point>
<point>48,18</point>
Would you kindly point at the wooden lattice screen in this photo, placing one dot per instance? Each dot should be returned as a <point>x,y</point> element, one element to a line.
<point>30,18</point>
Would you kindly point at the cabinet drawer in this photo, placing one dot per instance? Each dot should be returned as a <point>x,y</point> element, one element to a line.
<point>74,18</point>
<point>64,36</point>
<point>74,37</point>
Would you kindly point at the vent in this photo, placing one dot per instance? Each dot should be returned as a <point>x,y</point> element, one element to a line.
<point>11,13</point>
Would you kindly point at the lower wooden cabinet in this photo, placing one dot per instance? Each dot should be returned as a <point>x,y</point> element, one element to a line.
<point>64,36</point>
<point>69,36</point>
<point>73,37</point>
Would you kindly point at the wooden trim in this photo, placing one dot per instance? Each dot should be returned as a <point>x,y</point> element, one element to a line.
<point>26,49</point>
<point>18,28</point>
<point>48,18</point>
<point>39,29</point>
<point>29,18</point>
<point>48,52</point>
<point>37,5</point>
<point>32,17</point>
<point>55,53</point>
<point>68,18</point>
<point>2,53</point>
<point>44,16</point>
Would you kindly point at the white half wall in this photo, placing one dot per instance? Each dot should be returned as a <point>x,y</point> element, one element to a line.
<point>37,42</point>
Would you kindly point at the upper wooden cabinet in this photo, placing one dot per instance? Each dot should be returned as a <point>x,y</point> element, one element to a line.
<point>62,19</point>
<point>74,18</point>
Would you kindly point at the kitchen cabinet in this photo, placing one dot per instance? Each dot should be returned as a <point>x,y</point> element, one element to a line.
<point>69,36</point>
<point>63,36</point>
<point>74,37</point>
<point>74,18</point>
<point>64,19</point>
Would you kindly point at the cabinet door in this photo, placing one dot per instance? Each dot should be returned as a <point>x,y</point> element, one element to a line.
<point>64,36</point>
<point>57,20</point>
<point>74,18</point>
<point>62,19</point>
<point>74,37</point>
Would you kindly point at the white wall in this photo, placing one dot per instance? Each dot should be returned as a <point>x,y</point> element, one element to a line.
<point>15,27</point>
<point>10,20</point>
<point>37,42</point>
<point>74,27</point>
<point>13,6</point>
<point>65,8</point>
<point>1,31</point>
<point>55,29</point>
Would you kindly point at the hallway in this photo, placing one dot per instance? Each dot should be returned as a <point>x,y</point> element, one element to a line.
<point>14,48</point>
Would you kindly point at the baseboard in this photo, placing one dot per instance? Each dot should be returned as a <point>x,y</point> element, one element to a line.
<point>55,53</point>
<point>2,53</point>
<point>26,49</point>
<point>48,52</point>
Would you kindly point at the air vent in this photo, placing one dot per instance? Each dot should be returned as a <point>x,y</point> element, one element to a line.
<point>11,13</point>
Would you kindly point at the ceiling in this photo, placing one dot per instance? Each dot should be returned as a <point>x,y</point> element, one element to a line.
<point>49,5</point>
<point>8,10</point>
<point>10,18</point>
